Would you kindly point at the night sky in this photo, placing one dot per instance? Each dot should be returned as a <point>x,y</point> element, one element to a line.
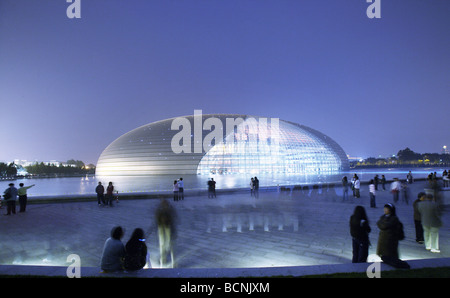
<point>69,87</point>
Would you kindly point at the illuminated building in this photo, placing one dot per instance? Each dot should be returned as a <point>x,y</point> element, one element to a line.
<point>222,144</point>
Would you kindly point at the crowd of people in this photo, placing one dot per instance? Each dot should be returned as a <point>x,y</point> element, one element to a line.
<point>427,212</point>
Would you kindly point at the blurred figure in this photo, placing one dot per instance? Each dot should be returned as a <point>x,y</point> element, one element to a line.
<point>372,193</point>
<point>359,230</point>
<point>344,188</point>
<point>417,217</point>
<point>391,231</point>
<point>383,182</point>
<point>405,192</point>
<point>395,189</point>
<point>376,180</point>
<point>136,255</point>
<point>256,187</point>
<point>113,251</point>
<point>431,222</point>
<point>165,220</point>
<point>109,194</point>
<point>409,178</point>
<point>446,178</point>
<point>211,188</point>
<point>251,187</point>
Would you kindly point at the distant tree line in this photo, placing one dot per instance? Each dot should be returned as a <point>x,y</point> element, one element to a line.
<point>72,167</point>
<point>406,157</point>
<point>7,170</point>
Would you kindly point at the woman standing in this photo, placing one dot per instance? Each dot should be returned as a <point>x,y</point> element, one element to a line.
<point>390,233</point>
<point>359,230</point>
<point>175,190</point>
<point>109,194</point>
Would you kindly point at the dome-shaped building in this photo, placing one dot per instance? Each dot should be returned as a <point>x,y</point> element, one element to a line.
<point>222,144</point>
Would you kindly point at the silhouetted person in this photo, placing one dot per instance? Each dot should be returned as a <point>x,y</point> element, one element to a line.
<point>136,251</point>
<point>100,190</point>
<point>417,217</point>
<point>10,196</point>
<point>23,198</point>
<point>211,188</point>
<point>359,230</point>
<point>113,251</point>
<point>390,234</point>
<point>344,188</point>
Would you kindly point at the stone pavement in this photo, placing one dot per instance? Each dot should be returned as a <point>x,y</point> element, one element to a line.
<point>232,231</point>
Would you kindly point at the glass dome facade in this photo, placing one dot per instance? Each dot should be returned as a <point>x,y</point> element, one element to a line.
<point>222,144</point>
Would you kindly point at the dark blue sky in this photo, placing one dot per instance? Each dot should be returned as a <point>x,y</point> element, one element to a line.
<point>69,87</point>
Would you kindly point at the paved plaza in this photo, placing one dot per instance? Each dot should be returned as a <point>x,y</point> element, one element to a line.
<point>233,230</point>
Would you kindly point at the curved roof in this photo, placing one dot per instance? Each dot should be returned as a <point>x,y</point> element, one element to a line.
<point>221,143</point>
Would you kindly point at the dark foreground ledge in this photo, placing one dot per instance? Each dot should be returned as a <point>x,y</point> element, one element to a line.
<point>60,271</point>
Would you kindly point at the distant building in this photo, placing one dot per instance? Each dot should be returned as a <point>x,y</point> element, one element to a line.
<point>445,150</point>
<point>250,147</point>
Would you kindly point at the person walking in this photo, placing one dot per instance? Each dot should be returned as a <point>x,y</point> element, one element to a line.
<point>10,195</point>
<point>23,198</point>
<point>344,188</point>
<point>113,251</point>
<point>391,231</point>
<point>417,217</point>
<point>100,190</point>
<point>252,185</point>
<point>359,230</point>
<point>372,193</point>
<point>136,255</point>
<point>430,215</point>
<point>176,190</point>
